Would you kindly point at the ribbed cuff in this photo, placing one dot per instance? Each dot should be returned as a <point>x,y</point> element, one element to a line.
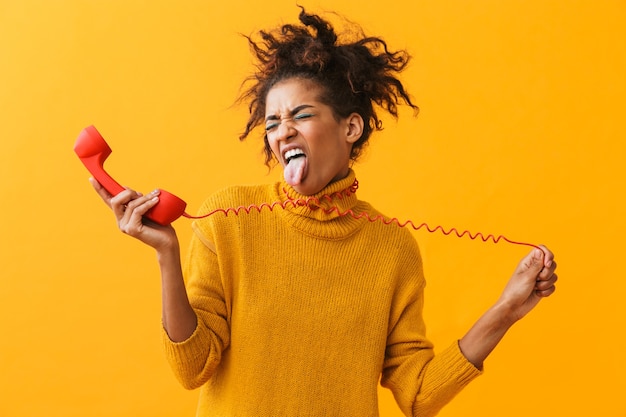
<point>448,373</point>
<point>186,358</point>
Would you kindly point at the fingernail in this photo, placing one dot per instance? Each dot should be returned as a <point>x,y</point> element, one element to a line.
<point>537,254</point>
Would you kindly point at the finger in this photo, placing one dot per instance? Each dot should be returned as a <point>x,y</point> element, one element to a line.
<point>132,221</point>
<point>548,256</point>
<point>546,288</point>
<point>546,273</point>
<point>546,284</point>
<point>139,200</point>
<point>547,292</point>
<point>120,202</point>
<point>531,265</point>
<point>136,223</point>
<point>102,192</point>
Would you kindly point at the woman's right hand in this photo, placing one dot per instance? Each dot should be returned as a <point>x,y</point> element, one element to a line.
<point>129,207</point>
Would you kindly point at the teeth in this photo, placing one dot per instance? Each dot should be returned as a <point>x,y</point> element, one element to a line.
<point>293,153</point>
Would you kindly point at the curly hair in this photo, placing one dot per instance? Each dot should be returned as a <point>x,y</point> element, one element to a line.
<point>353,75</point>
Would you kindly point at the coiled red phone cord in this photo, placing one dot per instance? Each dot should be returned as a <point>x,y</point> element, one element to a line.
<point>315,203</point>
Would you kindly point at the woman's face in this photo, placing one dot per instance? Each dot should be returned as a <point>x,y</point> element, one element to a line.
<point>309,142</point>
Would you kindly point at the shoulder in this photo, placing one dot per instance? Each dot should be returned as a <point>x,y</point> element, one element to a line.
<point>389,227</point>
<point>395,237</point>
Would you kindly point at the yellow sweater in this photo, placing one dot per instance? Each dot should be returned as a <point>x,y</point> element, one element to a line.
<point>302,311</point>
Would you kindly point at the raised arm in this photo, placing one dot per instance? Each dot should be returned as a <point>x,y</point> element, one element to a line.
<point>129,206</point>
<point>533,280</point>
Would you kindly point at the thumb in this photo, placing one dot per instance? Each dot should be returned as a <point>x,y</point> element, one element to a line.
<point>104,194</point>
<point>532,264</point>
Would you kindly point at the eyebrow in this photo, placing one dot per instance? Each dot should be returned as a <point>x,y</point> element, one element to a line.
<point>292,113</point>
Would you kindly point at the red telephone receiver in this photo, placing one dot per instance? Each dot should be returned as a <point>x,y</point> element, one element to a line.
<point>92,150</point>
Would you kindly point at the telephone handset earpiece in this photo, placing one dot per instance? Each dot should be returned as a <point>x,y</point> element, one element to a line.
<point>93,150</point>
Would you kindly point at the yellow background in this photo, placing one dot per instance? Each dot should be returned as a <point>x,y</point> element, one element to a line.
<point>521,133</point>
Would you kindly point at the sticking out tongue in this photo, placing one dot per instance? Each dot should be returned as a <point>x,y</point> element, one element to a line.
<point>294,171</point>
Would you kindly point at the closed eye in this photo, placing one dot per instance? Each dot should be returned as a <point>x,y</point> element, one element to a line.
<point>300,116</point>
<point>270,126</point>
<point>272,121</point>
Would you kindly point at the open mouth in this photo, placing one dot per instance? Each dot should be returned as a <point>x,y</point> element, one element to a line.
<point>295,166</point>
<point>292,154</point>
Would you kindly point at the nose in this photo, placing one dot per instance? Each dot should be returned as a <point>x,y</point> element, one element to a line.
<point>285,130</point>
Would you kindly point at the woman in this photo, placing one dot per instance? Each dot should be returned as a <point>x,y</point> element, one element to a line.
<point>299,310</point>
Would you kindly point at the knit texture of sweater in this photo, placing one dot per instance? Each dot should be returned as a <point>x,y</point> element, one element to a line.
<point>303,310</point>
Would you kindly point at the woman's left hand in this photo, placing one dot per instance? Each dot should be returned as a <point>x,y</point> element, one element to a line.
<point>533,279</point>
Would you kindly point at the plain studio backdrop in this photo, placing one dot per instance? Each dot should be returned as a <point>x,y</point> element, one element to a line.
<point>521,133</point>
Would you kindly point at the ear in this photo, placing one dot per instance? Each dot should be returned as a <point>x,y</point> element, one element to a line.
<point>354,127</point>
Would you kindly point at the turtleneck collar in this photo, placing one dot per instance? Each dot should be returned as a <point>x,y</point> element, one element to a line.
<point>327,213</point>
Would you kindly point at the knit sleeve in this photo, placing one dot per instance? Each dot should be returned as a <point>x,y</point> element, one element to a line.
<point>195,359</point>
<point>422,382</point>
